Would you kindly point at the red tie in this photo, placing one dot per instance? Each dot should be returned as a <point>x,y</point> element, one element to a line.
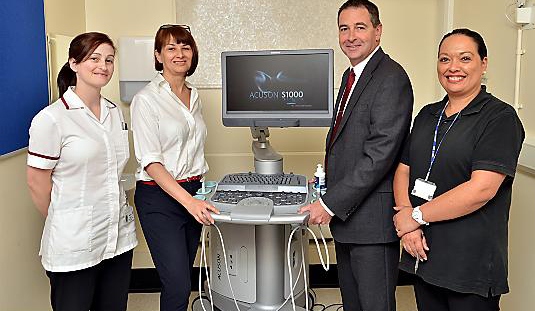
<point>340,113</point>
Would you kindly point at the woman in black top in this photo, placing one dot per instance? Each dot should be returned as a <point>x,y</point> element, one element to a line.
<point>453,185</point>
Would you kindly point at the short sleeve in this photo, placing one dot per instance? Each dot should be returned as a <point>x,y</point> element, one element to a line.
<point>44,147</point>
<point>147,145</point>
<point>406,147</point>
<point>499,145</point>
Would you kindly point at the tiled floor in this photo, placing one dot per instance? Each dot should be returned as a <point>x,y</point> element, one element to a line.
<point>324,296</point>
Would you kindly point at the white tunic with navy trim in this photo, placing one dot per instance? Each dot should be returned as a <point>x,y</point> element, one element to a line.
<point>87,218</point>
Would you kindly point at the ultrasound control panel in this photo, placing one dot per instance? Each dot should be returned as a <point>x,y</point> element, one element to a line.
<point>237,195</point>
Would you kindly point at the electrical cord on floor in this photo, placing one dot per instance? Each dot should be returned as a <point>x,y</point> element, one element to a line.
<point>314,296</point>
<point>320,305</point>
<point>339,305</point>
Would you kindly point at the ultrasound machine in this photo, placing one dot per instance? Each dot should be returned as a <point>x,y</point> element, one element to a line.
<point>263,89</point>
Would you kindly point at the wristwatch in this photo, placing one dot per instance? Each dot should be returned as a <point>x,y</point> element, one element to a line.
<point>418,217</point>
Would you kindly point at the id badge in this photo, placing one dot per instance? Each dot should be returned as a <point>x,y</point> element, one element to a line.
<point>424,189</point>
<point>129,217</point>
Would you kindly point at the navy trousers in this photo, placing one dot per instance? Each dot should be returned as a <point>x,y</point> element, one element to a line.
<point>103,287</point>
<point>172,235</point>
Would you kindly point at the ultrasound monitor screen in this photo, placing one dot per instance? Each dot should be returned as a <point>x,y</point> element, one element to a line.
<point>277,88</point>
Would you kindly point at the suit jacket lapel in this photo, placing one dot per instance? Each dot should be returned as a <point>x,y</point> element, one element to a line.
<point>337,104</point>
<point>363,80</point>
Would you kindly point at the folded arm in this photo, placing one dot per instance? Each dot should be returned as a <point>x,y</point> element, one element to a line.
<point>40,185</point>
<point>462,200</point>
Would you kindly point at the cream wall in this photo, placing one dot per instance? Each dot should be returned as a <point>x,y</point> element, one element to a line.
<point>229,149</point>
<point>23,283</point>
<point>500,37</point>
<point>411,41</point>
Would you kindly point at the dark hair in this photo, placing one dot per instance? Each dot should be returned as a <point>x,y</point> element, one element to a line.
<point>181,35</point>
<point>81,47</point>
<point>368,5</point>
<point>478,39</point>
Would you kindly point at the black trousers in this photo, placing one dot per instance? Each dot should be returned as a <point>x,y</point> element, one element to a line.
<point>103,287</point>
<point>172,235</point>
<point>367,274</point>
<point>433,298</point>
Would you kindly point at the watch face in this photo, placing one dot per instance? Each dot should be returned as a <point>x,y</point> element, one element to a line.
<point>418,216</point>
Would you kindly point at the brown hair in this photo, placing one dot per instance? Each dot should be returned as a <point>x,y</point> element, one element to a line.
<point>81,47</point>
<point>368,5</point>
<point>180,34</point>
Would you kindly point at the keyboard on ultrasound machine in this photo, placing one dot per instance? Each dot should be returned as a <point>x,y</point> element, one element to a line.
<point>287,191</point>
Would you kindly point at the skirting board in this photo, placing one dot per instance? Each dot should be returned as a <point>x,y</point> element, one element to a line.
<point>147,281</point>
<point>526,161</point>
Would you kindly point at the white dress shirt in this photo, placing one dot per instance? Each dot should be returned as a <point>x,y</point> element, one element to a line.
<point>167,132</point>
<point>88,218</point>
<point>357,69</point>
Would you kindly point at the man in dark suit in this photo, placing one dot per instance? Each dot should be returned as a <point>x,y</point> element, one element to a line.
<point>373,115</point>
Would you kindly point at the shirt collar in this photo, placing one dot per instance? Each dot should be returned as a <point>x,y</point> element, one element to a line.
<point>72,101</point>
<point>474,106</point>
<point>359,68</point>
<point>160,83</point>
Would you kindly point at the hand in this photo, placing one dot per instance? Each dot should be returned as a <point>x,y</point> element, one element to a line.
<point>200,210</point>
<point>403,220</point>
<point>318,215</point>
<point>415,244</point>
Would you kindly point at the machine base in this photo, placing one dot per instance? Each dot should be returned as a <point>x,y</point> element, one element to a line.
<point>227,304</point>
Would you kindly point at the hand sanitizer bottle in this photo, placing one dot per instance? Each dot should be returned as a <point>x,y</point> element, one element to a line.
<point>319,183</point>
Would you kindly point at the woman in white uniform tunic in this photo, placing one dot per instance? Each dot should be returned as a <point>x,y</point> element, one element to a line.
<point>77,152</point>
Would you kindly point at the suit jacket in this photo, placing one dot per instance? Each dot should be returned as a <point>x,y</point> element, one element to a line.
<point>365,151</point>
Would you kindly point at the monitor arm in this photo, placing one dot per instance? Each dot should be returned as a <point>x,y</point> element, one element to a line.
<point>267,160</point>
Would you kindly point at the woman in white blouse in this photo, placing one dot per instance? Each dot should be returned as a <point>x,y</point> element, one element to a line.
<point>77,151</point>
<point>169,135</point>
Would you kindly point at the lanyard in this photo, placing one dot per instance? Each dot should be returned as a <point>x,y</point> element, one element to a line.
<point>434,150</point>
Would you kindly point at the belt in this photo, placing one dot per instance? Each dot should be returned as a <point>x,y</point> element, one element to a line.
<point>153,183</point>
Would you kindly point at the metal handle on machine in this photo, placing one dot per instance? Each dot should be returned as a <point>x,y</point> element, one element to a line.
<point>287,219</point>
